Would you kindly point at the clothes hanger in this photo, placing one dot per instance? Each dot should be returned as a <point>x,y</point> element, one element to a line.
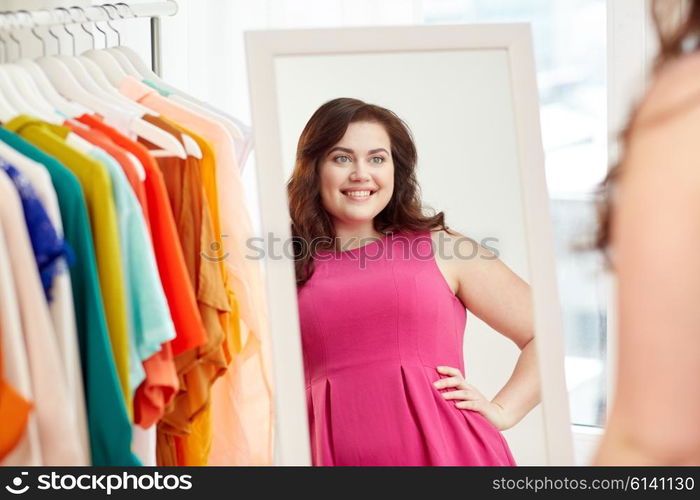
<point>234,126</point>
<point>118,56</point>
<point>142,70</point>
<point>111,68</point>
<point>14,97</point>
<point>33,71</point>
<point>101,80</point>
<point>99,77</point>
<point>25,85</point>
<point>7,112</point>
<point>67,84</point>
<point>191,146</point>
<point>87,78</point>
<point>10,92</point>
<point>121,59</point>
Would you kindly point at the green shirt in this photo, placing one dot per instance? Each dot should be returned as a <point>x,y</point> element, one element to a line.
<point>109,426</point>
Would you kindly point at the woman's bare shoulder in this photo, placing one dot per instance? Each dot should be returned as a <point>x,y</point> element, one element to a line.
<point>450,244</point>
<point>674,91</point>
<point>664,141</point>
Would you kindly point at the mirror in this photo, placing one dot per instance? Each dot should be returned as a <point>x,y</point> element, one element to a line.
<point>356,347</point>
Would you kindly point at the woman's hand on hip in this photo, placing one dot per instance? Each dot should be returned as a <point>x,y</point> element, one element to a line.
<point>468,397</point>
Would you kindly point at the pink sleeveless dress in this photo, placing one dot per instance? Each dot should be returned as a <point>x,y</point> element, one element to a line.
<point>376,321</point>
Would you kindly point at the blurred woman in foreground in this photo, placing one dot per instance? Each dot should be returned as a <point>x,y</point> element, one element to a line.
<point>650,223</point>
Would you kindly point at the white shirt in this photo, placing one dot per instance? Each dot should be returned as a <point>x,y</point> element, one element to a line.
<point>15,363</point>
<point>61,306</point>
<point>58,433</point>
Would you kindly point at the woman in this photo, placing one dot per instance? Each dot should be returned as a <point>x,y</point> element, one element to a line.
<point>382,316</point>
<point>652,226</point>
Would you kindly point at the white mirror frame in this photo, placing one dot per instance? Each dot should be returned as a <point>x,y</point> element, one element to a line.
<point>262,47</point>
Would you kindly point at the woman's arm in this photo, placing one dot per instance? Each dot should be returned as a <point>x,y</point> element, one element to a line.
<point>499,297</point>
<point>655,416</point>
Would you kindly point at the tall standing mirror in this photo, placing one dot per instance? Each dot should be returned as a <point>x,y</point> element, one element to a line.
<point>361,124</point>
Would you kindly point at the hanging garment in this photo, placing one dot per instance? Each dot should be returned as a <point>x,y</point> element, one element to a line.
<point>241,133</point>
<point>213,253</point>
<point>58,435</point>
<point>14,415</point>
<point>61,306</point>
<point>369,376</point>
<point>129,166</point>
<point>197,368</point>
<point>103,220</point>
<point>158,390</point>
<point>160,382</point>
<point>19,438</point>
<point>108,423</point>
<point>50,251</point>
<point>52,255</point>
<point>150,322</point>
<point>190,332</point>
<point>149,310</point>
<point>228,399</point>
<point>245,278</point>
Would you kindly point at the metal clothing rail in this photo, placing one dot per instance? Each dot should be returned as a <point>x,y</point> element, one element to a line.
<point>119,11</point>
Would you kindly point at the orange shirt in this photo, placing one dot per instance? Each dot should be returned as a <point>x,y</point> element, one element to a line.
<point>171,265</point>
<point>161,383</point>
<point>242,398</point>
<point>197,368</point>
<point>155,393</point>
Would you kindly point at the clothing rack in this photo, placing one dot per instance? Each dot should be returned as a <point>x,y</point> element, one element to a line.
<point>61,16</point>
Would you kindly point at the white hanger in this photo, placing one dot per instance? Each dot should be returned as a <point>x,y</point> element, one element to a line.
<point>130,61</point>
<point>82,145</point>
<point>124,62</point>
<point>7,112</point>
<point>114,65</point>
<point>89,83</point>
<point>71,80</point>
<point>8,89</point>
<point>33,83</point>
<point>17,99</point>
<point>101,80</point>
<point>108,64</point>
<point>26,86</point>
<point>66,83</point>
<point>191,147</point>
<point>144,72</point>
<point>43,84</point>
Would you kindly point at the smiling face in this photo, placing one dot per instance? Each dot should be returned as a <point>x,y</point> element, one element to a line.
<point>357,174</point>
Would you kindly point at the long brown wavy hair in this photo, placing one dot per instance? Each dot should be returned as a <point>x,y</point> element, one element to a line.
<point>677,25</point>
<point>325,128</point>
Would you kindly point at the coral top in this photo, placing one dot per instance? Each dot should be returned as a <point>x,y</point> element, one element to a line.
<point>376,321</point>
